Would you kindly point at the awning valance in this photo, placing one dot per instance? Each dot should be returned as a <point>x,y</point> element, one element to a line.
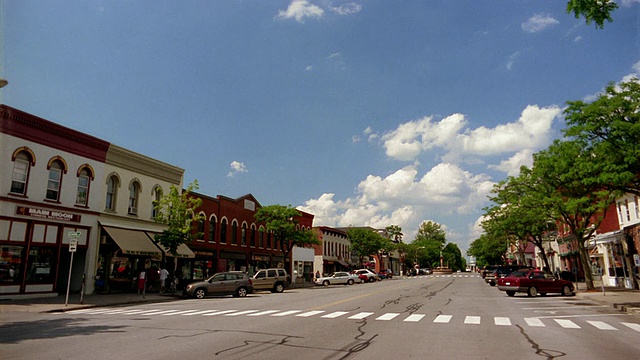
<point>133,242</point>
<point>342,262</point>
<point>182,251</point>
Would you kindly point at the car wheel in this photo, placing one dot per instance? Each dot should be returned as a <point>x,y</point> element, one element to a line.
<point>566,291</point>
<point>511,293</point>
<point>241,292</point>
<point>350,282</point>
<point>532,292</point>
<point>200,293</point>
<point>279,287</point>
<point>325,283</point>
<point>492,283</point>
<point>372,279</point>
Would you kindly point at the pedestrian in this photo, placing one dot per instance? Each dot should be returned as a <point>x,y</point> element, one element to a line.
<point>317,274</point>
<point>163,278</point>
<point>141,280</point>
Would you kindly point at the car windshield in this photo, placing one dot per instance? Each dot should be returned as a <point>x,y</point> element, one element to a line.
<point>518,274</point>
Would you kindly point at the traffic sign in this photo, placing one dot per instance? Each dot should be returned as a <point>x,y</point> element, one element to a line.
<point>73,245</point>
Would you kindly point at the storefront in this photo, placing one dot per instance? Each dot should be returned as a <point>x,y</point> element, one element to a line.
<point>608,259</point>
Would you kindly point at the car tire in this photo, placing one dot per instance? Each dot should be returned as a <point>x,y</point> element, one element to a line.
<point>325,283</point>
<point>241,292</point>
<point>511,293</point>
<point>492,283</point>
<point>350,282</point>
<point>279,287</point>
<point>566,291</point>
<point>200,293</point>
<point>532,292</point>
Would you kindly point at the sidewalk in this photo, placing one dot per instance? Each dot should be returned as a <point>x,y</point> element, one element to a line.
<point>618,298</point>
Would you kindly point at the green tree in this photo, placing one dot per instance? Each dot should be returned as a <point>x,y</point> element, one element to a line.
<point>488,249</point>
<point>452,257</point>
<point>177,210</point>
<point>395,233</point>
<point>366,242</point>
<point>429,242</point>
<point>282,222</point>
<point>592,10</point>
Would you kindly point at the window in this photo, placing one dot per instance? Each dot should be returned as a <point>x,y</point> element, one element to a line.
<point>626,207</point>
<point>156,201</point>
<point>253,235</point>
<point>112,186</point>
<point>201,228</point>
<point>134,190</point>
<point>261,238</point>
<point>635,200</point>
<point>55,179</point>
<point>20,174</point>
<point>223,231</point>
<point>234,233</point>
<point>82,196</point>
<point>212,230</point>
<point>41,265</point>
<point>243,235</point>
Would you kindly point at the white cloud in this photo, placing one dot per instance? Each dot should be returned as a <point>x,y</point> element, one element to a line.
<point>512,59</point>
<point>346,9</point>
<point>300,9</point>
<point>538,23</point>
<point>577,39</point>
<point>309,68</point>
<point>236,168</point>
<point>512,165</point>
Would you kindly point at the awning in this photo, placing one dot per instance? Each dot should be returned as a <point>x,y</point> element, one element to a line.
<point>606,238</point>
<point>342,262</point>
<point>182,251</point>
<point>133,242</point>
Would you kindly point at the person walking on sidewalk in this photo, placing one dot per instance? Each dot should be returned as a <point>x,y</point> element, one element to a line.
<point>163,278</point>
<point>142,277</point>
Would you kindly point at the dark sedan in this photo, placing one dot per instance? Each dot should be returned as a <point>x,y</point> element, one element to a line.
<point>534,282</point>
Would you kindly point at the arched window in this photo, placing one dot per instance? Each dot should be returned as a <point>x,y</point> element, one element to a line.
<point>243,235</point>
<point>223,231</point>
<point>84,180</point>
<point>20,177</point>
<point>112,192</point>
<point>261,237</point>
<point>157,196</point>
<point>253,235</point>
<point>234,232</point>
<point>212,229</point>
<point>134,194</point>
<point>55,181</point>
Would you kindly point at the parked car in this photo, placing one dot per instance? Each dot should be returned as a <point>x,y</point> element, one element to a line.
<point>488,269</point>
<point>237,284</point>
<point>274,280</point>
<point>386,274</point>
<point>367,275</point>
<point>340,277</point>
<point>534,282</point>
<point>502,271</point>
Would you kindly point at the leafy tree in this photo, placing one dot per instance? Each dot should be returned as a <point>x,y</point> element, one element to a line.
<point>395,233</point>
<point>592,10</point>
<point>488,249</point>
<point>366,242</point>
<point>429,242</point>
<point>177,210</point>
<point>282,222</point>
<point>452,257</point>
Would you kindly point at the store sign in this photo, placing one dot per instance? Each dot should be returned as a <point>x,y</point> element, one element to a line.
<point>47,214</point>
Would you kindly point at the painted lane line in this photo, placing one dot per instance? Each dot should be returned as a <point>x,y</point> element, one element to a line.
<point>472,320</point>
<point>242,313</point>
<point>178,312</point>
<point>567,324</point>
<point>290,312</point>
<point>601,325</point>
<point>201,312</point>
<point>534,322</point>
<point>158,312</point>
<point>633,326</point>
<point>564,307</point>
<point>334,314</point>
<point>387,316</point>
<point>414,317</point>
<point>443,319</point>
<point>311,313</point>
<point>220,312</point>
<point>360,316</point>
<point>502,321</point>
<point>266,312</point>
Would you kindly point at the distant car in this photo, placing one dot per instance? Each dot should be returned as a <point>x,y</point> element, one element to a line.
<point>237,284</point>
<point>487,270</point>
<point>534,282</point>
<point>386,274</point>
<point>274,280</point>
<point>367,275</point>
<point>502,271</point>
<point>336,278</point>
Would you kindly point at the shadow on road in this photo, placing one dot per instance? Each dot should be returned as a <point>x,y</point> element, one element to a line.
<point>13,333</point>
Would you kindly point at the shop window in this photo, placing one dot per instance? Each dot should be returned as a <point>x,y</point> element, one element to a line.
<point>223,231</point>
<point>41,266</point>
<point>112,188</point>
<point>20,175</point>
<point>134,193</point>
<point>54,182</point>
<point>10,264</point>
<point>82,196</point>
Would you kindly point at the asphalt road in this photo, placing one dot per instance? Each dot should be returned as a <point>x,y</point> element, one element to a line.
<point>457,317</point>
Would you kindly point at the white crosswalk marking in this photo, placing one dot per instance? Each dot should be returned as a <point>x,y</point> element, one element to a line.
<point>334,314</point>
<point>360,316</point>
<point>201,312</point>
<point>502,321</point>
<point>601,325</point>
<point>311,313</point>
<point>472,320</point>
<point>633,326</point>
<point>266,312</point>
<point>245,312</point>
<point>443,319</point>
<point>414,317</point>
<point>158,312</point>
<point>286,313</point>
<point>534,322</point>
<point>567,324</point>
<point>387,316</point>
<point>220,312</point>
<point>178,312</point>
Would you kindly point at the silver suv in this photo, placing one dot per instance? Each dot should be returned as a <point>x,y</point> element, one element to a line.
<point>237,284</point>
<point>274,280</point>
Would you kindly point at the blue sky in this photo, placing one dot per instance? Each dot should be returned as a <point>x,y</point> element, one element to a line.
<point>360,112</point>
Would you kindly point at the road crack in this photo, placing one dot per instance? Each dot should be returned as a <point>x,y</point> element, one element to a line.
<point>546,353</point>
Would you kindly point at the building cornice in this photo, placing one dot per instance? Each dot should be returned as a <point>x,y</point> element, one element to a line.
<point>127,159</point>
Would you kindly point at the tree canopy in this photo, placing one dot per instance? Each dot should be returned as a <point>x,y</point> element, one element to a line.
<point>367,242</point>
<point>592,10</point>
<point>488,249</point>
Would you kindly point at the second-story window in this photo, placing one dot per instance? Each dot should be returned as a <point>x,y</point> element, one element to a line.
<point>157,196</point>
<point>243,235</point>
<point>112,186</point>
<point>134,190</point>
<point>20,174</point>
<point>82,197</point>
<point>54,182</point>
<point>212,230</point>
<point>223,231</point>
<point>234,233</point>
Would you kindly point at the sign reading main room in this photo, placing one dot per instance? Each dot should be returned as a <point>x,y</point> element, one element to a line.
<point>47,214</point>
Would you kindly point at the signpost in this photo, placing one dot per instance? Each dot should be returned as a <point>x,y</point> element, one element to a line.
<point>73,246</point>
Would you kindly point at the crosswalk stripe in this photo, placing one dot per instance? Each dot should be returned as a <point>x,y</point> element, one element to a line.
<point>414,318</point>
<point>266,312</point>
<point>245,312</point>
<point>285,313</point>
<point>472,320</point>
<point>360,316</point>
<point>534,322</point>
<point>158,312</point>
<point>601,325</point>
<point>178,312</point>
<point>633,326</point>
<point>219,312</point>
<point>502,321</point>
<point>311,313</point>
<point>334,314</point>
<point>442,319</point>
<point>567,324</point>
<point>201,312</point>
<point>387,316</point>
